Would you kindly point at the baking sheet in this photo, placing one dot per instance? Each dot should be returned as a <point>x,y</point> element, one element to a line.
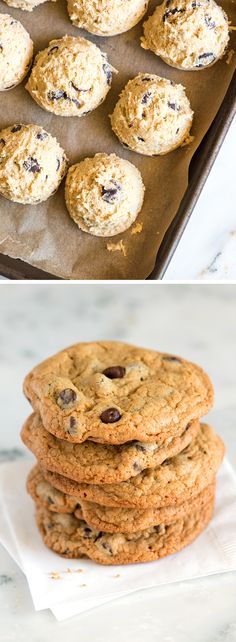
<point>44,235</point>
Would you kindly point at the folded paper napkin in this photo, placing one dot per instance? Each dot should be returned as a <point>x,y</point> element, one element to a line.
<point>67,608</point>
<point>69,587</point>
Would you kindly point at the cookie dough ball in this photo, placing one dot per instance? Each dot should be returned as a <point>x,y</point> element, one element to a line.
<point>16,51</point>
<point>106,17</point>
<point>104,194</point>
<point>187,34</point>
<point>32,164</point>
<point>71,77</point>
<point>152,116</point>
<point>27,5</point>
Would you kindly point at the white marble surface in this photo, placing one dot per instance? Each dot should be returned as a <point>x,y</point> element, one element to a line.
<point>195,321</point>
<point>207,250</point>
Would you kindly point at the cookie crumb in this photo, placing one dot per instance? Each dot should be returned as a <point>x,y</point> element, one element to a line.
<point>69,570</point>
<point>137,229</point>
<point>117,247</point>
<point>81,585</point>
<point>79,570</point>
<point>229,57</point>
<point>118,575</point>
<point>55,576</point>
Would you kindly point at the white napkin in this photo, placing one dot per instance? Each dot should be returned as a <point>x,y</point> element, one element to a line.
<point>60,611</point>
<point>82,584</point>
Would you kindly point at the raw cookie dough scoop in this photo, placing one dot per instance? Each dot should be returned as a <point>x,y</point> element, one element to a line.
<point>32,164</point>
<point>152,116</point>
<point>187,34</point>
<point>104,194</point>
<point>71,77</point>
<point>106,17</point>
<point>16,51</point>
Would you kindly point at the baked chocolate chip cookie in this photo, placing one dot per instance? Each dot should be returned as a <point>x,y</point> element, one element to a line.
<point>100,463</point>
<point>72,538</point>
<point>107,519</point>
<point>111,392</point>
<point>175,481</point>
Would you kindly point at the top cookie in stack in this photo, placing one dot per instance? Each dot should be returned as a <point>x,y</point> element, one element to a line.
<point>119,445</point>
<point>112,393</point>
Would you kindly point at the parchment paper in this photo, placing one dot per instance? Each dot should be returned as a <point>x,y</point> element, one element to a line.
<point>44,235</point>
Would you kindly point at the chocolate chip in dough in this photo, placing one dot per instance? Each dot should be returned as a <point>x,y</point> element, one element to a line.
<point>108,72</point>
<point>41,135</point>
<point>53,49</point>
<point>171,12</point>
<point>173,106</point>
<point>146,98</point>
<point>111,194</point>
<point>31,165</point>
<point>57,95</point>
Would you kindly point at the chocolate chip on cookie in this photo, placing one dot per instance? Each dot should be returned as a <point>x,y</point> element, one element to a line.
<point>110,416</point>
<point>137,466</point>
<point>107,548</point>
<point>170,357</point>
<point>72,427</point>
<point>87,533</point>
<point>66,397</point>
<point>114,372</point>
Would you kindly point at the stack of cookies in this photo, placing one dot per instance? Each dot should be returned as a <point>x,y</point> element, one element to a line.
<point>125,471</point>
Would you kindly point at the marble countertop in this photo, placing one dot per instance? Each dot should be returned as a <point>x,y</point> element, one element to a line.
<point>207,250</point>
<point>197,322</point>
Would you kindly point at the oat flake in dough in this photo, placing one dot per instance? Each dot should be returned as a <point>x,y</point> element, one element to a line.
<point>71,77</point>
<point>152,116</point>
<point>190,34</point>
<point>104,194</point>
<point>32,164</point>
<point>27,5</point>
<point>106,17</point>
<point>16,51</point>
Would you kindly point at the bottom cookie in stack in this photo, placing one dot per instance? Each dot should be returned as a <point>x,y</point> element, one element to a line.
<point>71,537</point>
<point>67,530</point>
